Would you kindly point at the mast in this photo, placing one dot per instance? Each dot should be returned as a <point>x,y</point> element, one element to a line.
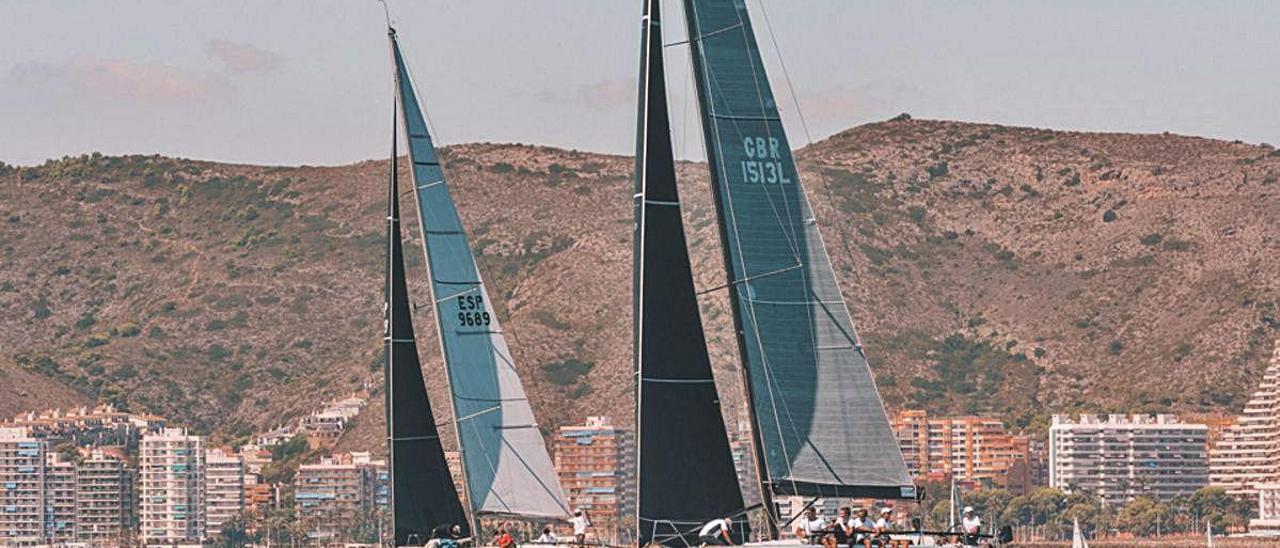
<point>817,418</point>
<point>677,407</point>
<point>422,493</point>
<point>507,470</point>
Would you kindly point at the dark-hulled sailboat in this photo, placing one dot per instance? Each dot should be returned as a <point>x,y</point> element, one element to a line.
<point>678,421</point>
<point>506,468</point>
<point>819,428</point>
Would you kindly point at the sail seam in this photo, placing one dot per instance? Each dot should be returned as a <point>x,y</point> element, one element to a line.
<point>677,381</point>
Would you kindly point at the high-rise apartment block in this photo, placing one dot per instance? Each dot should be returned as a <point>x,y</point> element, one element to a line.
<point>1247,453</point>
<point>596,467</point>
<point>172,474</point>
<point>338,489</point>
<point>104,499</point>
<point>223,489</point>
<point>59,499</point>
<point>22,461</point>
<point>1120,458</point>
<point>47,498</point>
<point>970,449</point>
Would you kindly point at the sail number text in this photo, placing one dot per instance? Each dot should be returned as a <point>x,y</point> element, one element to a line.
<point>764,161</point>
<point>471,311</point>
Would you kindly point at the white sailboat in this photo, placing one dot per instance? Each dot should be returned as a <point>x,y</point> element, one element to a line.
<point>1077,536</point>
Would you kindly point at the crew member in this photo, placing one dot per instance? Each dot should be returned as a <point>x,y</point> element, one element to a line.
<point>716,533</point>
<point>860,526</point>
<point>580,523</point>
<point>810,528</point>
<point>971,526</point>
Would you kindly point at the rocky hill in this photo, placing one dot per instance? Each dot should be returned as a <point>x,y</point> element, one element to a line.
<point>990,269</point>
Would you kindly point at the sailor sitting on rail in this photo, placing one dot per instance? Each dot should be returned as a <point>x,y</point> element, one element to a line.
<point>716,533</point>
<point>882,528</point>
<point>859,526</point>
<point>548,536</point>
<point>810,528</point>
<point>841,530</point>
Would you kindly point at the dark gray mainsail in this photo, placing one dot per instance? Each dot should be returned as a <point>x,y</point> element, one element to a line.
<point>685,474</point>
<point>422,492</point>
<point>505,462</point>
<point>817,416</point>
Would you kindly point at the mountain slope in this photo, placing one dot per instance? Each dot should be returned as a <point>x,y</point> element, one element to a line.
<point>989,269</point>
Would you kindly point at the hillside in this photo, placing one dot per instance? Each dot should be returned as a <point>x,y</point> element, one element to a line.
<point>989,269</point>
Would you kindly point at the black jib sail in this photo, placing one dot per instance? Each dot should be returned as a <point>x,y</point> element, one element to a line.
<point>685,471</point>
<point>422,492</point>
<point>818,420</point>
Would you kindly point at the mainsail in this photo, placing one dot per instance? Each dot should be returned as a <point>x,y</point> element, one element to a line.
<point>817,416</point>
<point>505,462</point>
<point>685,471</point>
<point>422,491</point>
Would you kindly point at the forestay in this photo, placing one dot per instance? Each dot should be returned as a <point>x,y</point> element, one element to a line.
<point>685,471</point>
<point>817,412</point>
<point>506,466</point>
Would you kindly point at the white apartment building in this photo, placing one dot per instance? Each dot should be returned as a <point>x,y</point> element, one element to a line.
<point>21,487</point>
<point>1268,520</point>
<point>224,488</point>
<point>104,499</point>
<point>1120,458</point>
<point>172,501</point>
<point>59,499</point>
<point>1248,452</point>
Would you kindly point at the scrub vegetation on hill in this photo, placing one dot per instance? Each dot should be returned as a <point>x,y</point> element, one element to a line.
<point>992,270</point>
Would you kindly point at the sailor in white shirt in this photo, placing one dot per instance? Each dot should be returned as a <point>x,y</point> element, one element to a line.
<point>970,525</point>
<point>882,527</point>
<point>716,533</point>
<point>580,524</point>
<point>810,527</point>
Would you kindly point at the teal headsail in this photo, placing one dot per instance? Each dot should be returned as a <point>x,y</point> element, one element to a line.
<point>505,462</point>
<point>818,418</point>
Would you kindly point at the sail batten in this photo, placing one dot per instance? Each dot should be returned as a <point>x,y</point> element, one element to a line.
<point>817,416</point>
<point>506,468</point>
<point>677,409</point>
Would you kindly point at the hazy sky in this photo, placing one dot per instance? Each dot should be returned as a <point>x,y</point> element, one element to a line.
<point>308,81</point>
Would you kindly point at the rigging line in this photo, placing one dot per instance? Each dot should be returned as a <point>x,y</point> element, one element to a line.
<point>684,108</point>
<point>755,324</point>
<point>701,37</point>
<point>852,334</point>
<point>804,125</point>
<point>750,278</point>
<point>528,467</point>
<point>762,468</point>
<point>387,12</point>
<point>801,199</point>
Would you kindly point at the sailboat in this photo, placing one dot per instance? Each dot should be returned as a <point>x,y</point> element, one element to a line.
<point>678,408</point>
<point>1077,536</point>
<point>819,428</point>
<point>507,471</point>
